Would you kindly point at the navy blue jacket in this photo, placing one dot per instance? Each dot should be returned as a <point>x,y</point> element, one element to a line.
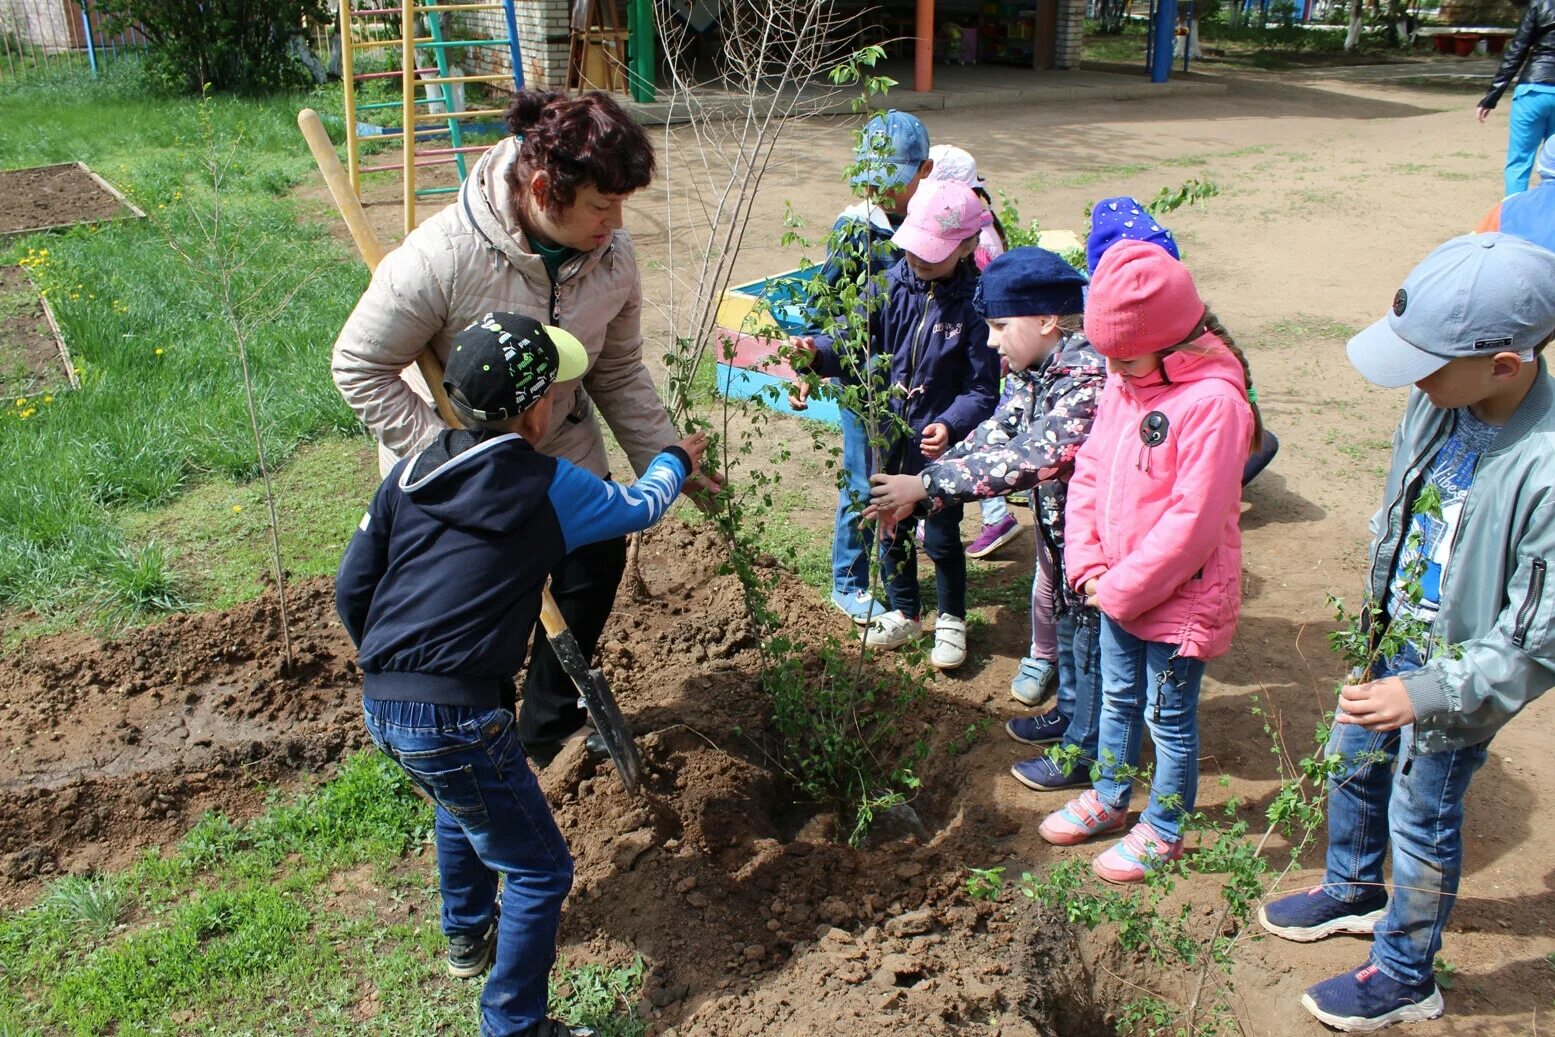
<point>440,587</point>
<point>936,346</point>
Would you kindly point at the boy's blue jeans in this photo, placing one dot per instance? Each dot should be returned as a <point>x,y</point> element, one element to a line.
<point>1079,679</point>
<point>1147,684</point>
<point>849,544</point>
<point>1532,120</point>
<point>1416,804</point>
<point>491,820</point>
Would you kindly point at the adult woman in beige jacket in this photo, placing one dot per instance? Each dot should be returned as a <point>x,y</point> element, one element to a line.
<point>536,229</point>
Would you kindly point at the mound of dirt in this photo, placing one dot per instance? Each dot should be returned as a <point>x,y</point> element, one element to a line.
<point>752,917</point>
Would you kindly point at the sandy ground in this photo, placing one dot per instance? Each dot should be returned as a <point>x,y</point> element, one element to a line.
<point>1331,189</point>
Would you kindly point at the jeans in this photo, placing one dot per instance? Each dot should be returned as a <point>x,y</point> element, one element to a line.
<point>1147,684</point>
<point>942,543</point>
<point>1079,679</point>
<point>1532,120</point>
<point>1259,461</point>
<point>584,586</point>
<point>995,510</point>
<point>1417,805</point>
<point>491,820</point>
<point>849,544</point>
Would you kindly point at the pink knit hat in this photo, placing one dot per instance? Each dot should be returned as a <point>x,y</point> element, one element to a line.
<point>1141,301</point>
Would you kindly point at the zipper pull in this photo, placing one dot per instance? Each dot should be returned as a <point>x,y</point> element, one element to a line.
<point>556,300</point>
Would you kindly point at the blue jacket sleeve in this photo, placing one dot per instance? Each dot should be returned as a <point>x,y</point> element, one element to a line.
<point>366,559</point>
<point>592,509</point>
<point>979,386</point>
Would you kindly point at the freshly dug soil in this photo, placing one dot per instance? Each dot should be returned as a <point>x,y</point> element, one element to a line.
<point>51,196</point>
<point>752,917</point>
<point>29,355</point>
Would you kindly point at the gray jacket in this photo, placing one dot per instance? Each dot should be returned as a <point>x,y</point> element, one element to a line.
<point>1495,602</point>
<point>469,259</point>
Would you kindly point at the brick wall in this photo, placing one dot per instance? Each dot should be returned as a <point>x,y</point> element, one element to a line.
<point>542,42</point>
<point>1071,33</point>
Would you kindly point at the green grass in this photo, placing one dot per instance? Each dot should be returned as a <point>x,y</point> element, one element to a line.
<point>296,921</point>
<point>161,407</point>
<point>217,534</point>
<point>1310,326</point>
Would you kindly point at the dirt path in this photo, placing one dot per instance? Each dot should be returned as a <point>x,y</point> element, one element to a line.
<point>1329,192</point>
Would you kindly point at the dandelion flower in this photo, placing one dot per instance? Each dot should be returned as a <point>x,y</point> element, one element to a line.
<point>159,351</point>
<point>237,508</point>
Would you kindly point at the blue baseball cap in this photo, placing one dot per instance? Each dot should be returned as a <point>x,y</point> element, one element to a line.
<point>894,145</point>
<point>1476,295</point>
<point>1123,219</point>
<point>1545,163</point>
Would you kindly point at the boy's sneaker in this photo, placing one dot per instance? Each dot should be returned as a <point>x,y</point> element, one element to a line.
<point>1044,775</point>
<point>557,1028</point>
<point>1043,729</point>
<point>1034,682</point>
<point>1080,819</point>
<point>1313,915</point>
<point>1369,999</point>
<point>949,642</point>
<point>470,955</point>
<point>860,607</point>
<point>892,630</point>
<point>994,537</point>
<point>1136,855</point>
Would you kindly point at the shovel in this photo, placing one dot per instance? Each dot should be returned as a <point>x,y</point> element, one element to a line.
<point>594,693</point>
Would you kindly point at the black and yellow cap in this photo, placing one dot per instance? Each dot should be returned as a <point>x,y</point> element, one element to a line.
<point>502,365</point>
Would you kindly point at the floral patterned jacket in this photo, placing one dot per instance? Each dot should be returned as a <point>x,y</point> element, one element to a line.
<point>1031,441</point>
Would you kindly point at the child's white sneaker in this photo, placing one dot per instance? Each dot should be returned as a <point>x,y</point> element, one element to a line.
<point>892,630</point>
<point>949,642</point>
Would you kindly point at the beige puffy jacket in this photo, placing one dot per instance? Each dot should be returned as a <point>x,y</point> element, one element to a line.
<point>471,259</point>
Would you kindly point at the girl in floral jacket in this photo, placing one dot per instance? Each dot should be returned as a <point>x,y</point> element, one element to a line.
<point>1031,299</point>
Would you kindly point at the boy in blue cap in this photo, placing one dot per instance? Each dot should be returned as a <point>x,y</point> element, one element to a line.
<point>1468,573</point>
<point>439,590</point>
<point>891,160</point>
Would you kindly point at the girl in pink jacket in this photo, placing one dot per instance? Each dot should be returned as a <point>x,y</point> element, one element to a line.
<point>1153,540</point>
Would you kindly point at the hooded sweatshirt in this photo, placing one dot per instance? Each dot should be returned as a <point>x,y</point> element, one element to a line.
<point>1157,522</point>
<point>936,348</point>
<point>440,586</point>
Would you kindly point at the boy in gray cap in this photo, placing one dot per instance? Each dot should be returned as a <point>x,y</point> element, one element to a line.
<point>1458,580</point>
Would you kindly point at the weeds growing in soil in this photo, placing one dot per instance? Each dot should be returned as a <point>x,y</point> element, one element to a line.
<point>241,929</point>
<point>1153,919</point>
<point>158,408</point>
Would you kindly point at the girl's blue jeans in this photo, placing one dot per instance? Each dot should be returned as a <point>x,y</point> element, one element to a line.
<point>1079,679</point>
<point>1414,803</point>
<point>491,820</point>
<point>1147,684</point>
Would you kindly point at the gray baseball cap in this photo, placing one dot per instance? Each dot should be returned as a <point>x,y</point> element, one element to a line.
<point>1476,295</point>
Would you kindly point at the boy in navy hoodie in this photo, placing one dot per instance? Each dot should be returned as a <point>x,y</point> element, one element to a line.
<point>943,382</point>
<point>439,590</point>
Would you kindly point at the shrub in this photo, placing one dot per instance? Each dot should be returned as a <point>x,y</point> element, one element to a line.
<point>238,45</point>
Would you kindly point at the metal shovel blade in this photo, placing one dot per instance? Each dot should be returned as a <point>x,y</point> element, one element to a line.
<point>601,705</point>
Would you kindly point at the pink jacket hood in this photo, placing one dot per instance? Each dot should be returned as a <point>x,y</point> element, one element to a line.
<point>1157,523</point>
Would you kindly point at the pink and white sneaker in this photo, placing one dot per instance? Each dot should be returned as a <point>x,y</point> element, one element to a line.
<point>1136,855</point>
<point>1080,819</point>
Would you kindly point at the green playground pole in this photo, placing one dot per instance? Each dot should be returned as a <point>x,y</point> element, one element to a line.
<point>639,18</point>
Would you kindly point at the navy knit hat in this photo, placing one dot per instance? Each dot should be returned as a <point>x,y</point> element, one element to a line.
<point>1029,282</point>
<point>1123,218</point>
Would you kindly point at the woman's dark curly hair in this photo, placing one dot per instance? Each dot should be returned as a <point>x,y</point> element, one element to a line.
<point>577,141</point>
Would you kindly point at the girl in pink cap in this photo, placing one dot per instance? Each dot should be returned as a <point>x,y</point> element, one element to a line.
<point>1153,541</point>
<point>942,381</point>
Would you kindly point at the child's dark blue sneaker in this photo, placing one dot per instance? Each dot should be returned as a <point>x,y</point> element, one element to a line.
<point>1038,730</point>
<point>1313,915</point>
<point>1044,775</point>
<point>1369,999</point>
